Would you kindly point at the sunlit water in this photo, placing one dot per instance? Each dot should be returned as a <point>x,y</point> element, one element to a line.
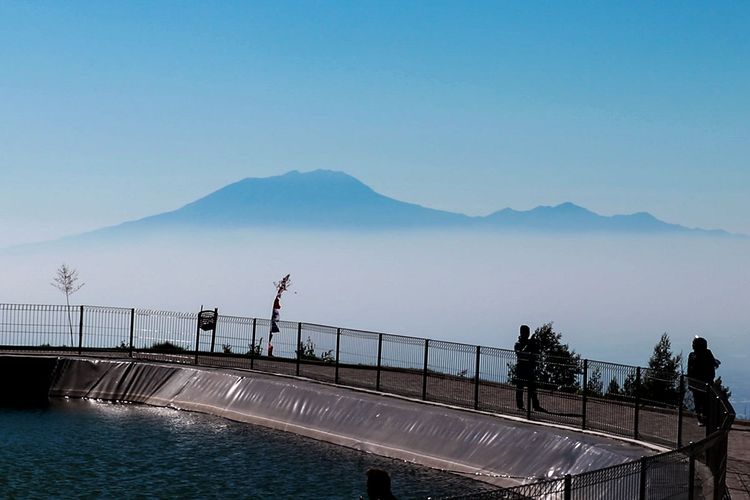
<point>78,448</point>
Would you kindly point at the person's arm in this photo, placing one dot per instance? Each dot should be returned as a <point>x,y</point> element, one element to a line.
<point>715,361</point>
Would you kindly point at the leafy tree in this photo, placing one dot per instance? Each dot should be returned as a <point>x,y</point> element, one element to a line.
<point>661,382</point>
<point>595,386</point>
<point>723,388</point>
<point>613,388</point>
<point>66,280</point>
<point>629,386</point>
<point>255,350</point>
<point>558,366</point>
<point>306,350</point>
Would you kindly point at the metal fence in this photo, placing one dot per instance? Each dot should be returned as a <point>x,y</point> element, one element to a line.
<point>612,398</point>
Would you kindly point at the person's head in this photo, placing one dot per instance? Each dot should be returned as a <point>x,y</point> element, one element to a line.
<point>699,343</point>
<point>524,332</point>
<point>378,484</point>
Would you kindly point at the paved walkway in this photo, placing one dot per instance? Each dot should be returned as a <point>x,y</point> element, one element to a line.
<point>738,469</point>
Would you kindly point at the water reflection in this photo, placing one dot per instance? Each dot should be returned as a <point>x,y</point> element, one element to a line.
<point>96,449</point>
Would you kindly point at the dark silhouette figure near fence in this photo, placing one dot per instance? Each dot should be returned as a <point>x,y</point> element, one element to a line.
<point>701,372</point>
<point>527,352</point>
<point>379,485</point>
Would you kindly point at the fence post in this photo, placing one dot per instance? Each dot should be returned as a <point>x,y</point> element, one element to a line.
<point>710,408</point>
<point>380,361</point>
<point>691,478</point>
<point>213,331</point>
<point>680,411</point>
<point>584,399</point>
<point>80,331</point>
<point>197,337</point>
<point>338,350</point>
<point>132,329</point>
<point>299,347</point>
<point>529,403</point>
<point>637,401</point>
<point>424,371</point>
<point>252,345</point>
<point>476,378</point>
<point>568,487</point>
<point>722,463</point>
<point>643,479</point>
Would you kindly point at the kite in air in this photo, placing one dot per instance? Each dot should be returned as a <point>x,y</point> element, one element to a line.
<point>281,287</point>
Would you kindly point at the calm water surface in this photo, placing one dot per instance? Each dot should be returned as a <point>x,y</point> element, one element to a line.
<point>79,448</point>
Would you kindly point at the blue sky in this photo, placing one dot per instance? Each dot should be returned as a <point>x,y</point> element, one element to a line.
<point>114,111</point>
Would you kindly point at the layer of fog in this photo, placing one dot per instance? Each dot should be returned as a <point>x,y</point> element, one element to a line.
<point>611,297</point>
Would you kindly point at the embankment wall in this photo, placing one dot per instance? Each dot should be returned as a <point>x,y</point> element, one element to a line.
<point>500,450</point>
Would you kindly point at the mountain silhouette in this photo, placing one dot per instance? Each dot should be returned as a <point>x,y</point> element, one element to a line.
<point>570,217</point>
<point>318,199</point>
<point>325,199</point>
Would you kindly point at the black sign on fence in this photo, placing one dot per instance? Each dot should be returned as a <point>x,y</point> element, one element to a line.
<point>207,320</point>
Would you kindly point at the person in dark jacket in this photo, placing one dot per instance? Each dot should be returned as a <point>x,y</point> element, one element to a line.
<point>379,485</point>
<point>527,351</point>
<point>701,371</point>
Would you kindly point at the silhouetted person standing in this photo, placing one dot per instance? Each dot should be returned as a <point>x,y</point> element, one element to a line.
<point>701,371</point>
<point>379,485</point>
<point>527,350</point>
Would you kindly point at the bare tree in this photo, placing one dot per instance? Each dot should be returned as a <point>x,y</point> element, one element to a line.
<point>66,280</point>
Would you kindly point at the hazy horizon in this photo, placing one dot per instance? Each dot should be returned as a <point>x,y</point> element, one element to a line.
<point>333,200</point>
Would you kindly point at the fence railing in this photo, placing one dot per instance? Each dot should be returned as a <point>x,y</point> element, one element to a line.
<point>617,399</point>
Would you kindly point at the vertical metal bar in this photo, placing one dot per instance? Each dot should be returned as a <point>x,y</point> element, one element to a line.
<point>637,401</point>
<point>643,479</point>
<point>710,406</point>
<point>476,377</point>
<point>338,350</point>
<point>531,382</point>
<point>584,399</point>
<point>568,487</point>
<point>252,345</point>
<point>132,329</point>
<point>680,411</point>
<point>197,336</point>
<point>721,477</point>
<point>380,361</point>
<point>299,346</point>
<point>691,478</point>
<point>424,370</point>
<point>213,330</point>
<point>80,331</point>
<point>529,398</point>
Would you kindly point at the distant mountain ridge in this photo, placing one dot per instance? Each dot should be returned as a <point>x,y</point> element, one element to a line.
<point>325,199</point>
<point>321,198</point>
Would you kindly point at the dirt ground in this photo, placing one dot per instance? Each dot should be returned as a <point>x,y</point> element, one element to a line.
<point>738,469</point>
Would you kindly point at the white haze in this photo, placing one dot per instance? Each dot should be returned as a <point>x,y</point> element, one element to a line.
<point>611,297</point>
